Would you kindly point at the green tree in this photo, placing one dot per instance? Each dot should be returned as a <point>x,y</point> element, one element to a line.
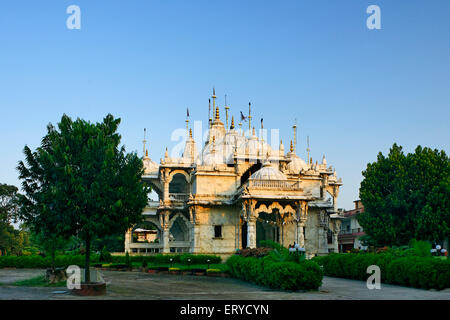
<point>80,182</point>
<point>406,197</point>
<point>11,240</point>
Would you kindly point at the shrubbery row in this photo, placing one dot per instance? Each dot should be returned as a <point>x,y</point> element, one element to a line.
<point>63,261</point>
<point>306,275</point>
<point>44,262</point>
<point>176,258</point>
<point>418,272</point>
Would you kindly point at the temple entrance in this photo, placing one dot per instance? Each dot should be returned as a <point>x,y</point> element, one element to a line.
<point>267,228</point>
<point>244,235</point>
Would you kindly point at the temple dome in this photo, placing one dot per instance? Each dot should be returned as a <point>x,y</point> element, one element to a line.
<point>296,164</point>
<point>268,172</point>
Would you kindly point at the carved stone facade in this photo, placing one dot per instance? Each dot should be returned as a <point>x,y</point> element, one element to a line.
<point>235,193</point>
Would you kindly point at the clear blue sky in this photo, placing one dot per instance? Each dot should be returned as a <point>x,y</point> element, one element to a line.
<point>354,91</point>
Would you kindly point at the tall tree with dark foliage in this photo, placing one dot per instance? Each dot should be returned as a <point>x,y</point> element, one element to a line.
<point>406,197</point>
<point>80,182</point>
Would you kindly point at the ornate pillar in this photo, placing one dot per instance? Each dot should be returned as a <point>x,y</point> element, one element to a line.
<point>302,212</point>
<point>248,209</point>
<point>251,232</point>
<point>336,230</point>
<point>165,180</point>
<point>164,220</point>
<point>323,228</point>
<point>128,240</point>
<point>301,234</point>
<point>195,230</point>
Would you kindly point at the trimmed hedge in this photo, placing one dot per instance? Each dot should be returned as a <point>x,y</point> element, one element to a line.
<point>418,272</point>
<point>44,262</point>
<point>306,275</point>
<point>63,261</point>
<point>176,258</point>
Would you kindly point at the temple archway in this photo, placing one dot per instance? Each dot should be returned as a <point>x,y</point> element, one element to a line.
<point>179,230</point>
<point>146,232</point>
<point>179,184</point>
<point>267,228</point>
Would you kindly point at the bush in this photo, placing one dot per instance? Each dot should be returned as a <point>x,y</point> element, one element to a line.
<point>144,262</point>
<point>306,275</point>
<point>105,256</point>
<point>128,261</point>
<point>254,252</point>
<point>413,271</point>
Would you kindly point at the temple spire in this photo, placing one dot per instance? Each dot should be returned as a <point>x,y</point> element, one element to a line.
<point>249,116</point>
<point>209,113</point>
<point>144,142</point>
<point>226,111</point>
<point>232,123</point>
<point>187,120</point>
<point>214,99</point>
<point>295,135</point>
<point>307,148</point>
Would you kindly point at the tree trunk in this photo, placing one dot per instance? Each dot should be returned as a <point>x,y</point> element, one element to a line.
<point>87,275</point>
<point>53,258</point>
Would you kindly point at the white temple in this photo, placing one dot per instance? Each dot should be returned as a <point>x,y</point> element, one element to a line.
<point>236,192</point>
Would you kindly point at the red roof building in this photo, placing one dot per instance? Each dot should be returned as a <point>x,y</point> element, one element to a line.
<point>351,230</point>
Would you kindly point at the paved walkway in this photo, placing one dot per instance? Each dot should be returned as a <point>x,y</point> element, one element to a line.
<point>136,285</point>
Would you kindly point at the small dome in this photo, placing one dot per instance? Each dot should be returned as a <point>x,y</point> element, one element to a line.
<point>150,167</point>
<point>268,172</point>
<point>296,165</point>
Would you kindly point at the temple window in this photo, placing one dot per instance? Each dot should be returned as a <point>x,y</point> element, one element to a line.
<point>218,231</point>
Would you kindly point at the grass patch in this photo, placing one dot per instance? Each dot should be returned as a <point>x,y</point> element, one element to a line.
<point>38,281</point>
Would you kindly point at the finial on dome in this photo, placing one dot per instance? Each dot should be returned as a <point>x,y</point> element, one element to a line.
<point>226,111</point>
<point>166,154</point>
<point>249,116</point>
<point>146,153</point>
<point>217,113</point>
<point>190,133</point>
<point>144,142</point>
<point>214,98</point>
<point>209,112</point>
<point>232,123</point>
<point>324,161</point>
<point>253,131</point>
<point>292,147</point>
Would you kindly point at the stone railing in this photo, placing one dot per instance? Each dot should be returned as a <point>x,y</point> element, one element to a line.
<point>179,246</point>
<point>273,184</point>
<point>179,197</point>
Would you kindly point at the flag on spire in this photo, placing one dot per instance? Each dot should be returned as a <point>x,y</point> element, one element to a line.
<point>243,118</point>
